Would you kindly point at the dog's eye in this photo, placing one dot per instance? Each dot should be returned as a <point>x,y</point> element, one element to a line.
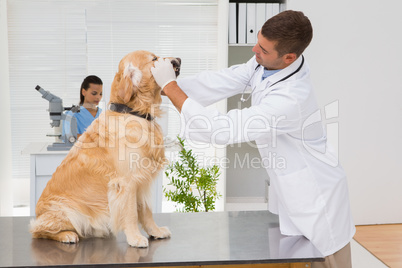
<point>154,59</point>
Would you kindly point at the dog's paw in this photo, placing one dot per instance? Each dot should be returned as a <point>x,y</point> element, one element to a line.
<point>68,237</point>
<point>138,241</point>
<point>161,232</point>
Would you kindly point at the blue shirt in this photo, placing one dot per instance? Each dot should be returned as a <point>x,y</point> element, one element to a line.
<point>84,119</point>
<point>268,73</point>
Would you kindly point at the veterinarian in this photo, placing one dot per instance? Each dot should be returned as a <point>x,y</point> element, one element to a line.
<point>310,192</point>
<point>90,96</point>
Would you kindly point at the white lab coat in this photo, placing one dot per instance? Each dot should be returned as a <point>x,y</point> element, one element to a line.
<point>308,187</point>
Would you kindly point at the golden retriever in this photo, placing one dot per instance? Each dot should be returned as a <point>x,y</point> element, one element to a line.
<point>103,185</point>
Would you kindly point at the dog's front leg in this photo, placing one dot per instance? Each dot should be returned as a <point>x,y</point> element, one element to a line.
<point>134,237</point>
<point>123,212</point>
<point>147,221</point>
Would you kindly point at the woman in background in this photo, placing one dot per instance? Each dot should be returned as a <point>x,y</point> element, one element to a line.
<point>90,96</point>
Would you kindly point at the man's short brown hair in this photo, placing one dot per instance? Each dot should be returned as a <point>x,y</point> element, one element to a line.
<point>291,30</point>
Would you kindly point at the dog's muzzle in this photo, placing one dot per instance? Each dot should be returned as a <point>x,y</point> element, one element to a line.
<point>176,62</point>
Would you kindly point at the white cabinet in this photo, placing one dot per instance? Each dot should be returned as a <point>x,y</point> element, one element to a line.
<point>43,164</point>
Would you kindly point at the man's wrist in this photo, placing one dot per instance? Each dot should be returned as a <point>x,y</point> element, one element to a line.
<point>167,82</point>
<point>175,94</point>
<point>169,86</point>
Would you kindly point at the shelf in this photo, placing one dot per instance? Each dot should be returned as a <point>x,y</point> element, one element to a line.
<point>241,45</point>
<point>258,1</point>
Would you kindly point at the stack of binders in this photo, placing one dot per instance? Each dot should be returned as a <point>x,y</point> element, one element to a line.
<point>246,19</point>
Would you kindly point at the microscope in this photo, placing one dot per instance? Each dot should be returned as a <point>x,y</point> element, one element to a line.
<point>57,115</point>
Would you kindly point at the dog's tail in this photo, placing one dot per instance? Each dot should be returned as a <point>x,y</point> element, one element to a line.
<point>57,226</point>
<point>50,225</point>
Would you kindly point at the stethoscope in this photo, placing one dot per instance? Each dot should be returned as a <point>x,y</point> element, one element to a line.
<point>242,99</point>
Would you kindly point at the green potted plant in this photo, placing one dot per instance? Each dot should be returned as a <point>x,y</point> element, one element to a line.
<point>194,186</point>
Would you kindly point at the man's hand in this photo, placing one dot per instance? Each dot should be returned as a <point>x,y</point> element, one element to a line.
<point>163,72</point>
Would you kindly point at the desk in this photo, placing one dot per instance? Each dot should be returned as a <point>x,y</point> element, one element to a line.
<point>206,239</point>
<point>43,164</point>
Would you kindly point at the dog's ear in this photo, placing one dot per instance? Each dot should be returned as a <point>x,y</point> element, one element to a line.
<point>129,83</point>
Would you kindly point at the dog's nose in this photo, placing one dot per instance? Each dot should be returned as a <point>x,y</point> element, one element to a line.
<point>176,62</point>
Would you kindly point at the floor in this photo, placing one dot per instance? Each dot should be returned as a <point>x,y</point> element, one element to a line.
<point>384,241</point>
<point>361,257</point>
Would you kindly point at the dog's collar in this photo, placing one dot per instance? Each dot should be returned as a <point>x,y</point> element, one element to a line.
<point>121,108</point>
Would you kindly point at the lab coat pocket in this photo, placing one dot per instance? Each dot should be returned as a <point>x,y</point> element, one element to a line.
<point>300,193</point>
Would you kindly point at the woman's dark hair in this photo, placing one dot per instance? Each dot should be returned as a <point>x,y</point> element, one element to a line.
<point>291,30</point>
<point>91,79</point>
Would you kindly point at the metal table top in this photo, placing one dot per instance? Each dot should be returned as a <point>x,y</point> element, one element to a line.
<point>214,238</point>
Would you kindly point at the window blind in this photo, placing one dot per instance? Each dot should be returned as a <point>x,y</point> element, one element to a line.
<point>56,44</point>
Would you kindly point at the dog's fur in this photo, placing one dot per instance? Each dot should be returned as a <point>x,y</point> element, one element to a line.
<point>103,185</point>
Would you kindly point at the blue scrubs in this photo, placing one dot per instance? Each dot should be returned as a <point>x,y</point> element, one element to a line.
<point>84,119</point>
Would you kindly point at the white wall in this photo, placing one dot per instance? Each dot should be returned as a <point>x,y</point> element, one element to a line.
<point>6,202</point>
<point>356,58</point>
